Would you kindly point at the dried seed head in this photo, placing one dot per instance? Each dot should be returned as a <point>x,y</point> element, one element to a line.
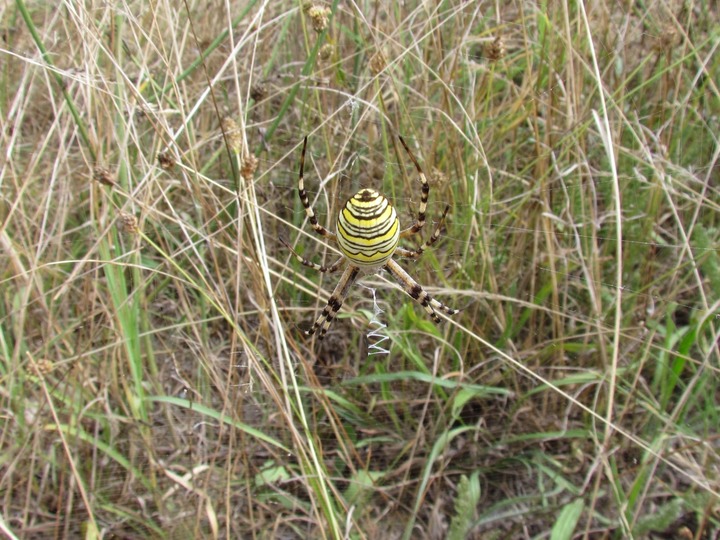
<point>232,134</point>
<point>258,91</point>
<point>128,223</point>
<point>377,63</point>
<point>495,50</point>
<point>326,52</point>
<point>166,160</point>
<point>438,177</point>
<point>666,40</point>
<point>320,17</point>
<point>249,166</point>
<point>43,366</point>
<point>102,175</point>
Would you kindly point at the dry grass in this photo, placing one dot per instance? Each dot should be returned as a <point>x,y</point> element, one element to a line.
<point>153,378</point>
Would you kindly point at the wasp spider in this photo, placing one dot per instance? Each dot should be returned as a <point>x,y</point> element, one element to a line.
<point>368,234</point>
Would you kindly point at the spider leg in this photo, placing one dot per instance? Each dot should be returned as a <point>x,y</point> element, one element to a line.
<point>335,302</point>
<point>415,253</point>
<point>418,225</point>
<point>417,293</point>
<point>306,262</point>
<point>322,231</point>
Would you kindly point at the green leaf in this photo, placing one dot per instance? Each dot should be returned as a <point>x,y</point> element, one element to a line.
<point>466,501</point>
<point>271,474</point>
<point>207,411</point>
<point>567,520</point>
<point>361,487</point>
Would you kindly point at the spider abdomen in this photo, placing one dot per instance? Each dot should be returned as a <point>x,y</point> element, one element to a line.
<point>368,230</point>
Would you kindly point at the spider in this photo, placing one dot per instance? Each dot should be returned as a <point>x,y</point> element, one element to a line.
<point>368,234</point>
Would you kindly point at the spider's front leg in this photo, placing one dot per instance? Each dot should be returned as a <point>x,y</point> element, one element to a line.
<point>415,253</point>
<point>418,225</point>
<point>322,231</point>
<point>306,262</point>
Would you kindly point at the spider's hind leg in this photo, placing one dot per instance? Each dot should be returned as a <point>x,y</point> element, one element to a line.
<point>335,301</point>
<point>417,293</point>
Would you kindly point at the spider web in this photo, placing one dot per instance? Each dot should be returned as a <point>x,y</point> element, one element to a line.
<point>377,335</point>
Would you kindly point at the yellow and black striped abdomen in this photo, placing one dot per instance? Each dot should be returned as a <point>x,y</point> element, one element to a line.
<point>368,230</point>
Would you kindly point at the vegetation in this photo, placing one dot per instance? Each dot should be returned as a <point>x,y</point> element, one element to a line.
<point>154,378</point>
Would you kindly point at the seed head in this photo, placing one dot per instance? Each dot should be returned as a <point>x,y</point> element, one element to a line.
<point>43,366</point>
<point>377,63</point>
<point>232,134</point>
<point>258,91</point>
<point>166,160</point>
<point>320,17</point>
<point>249,166</point>
<point>128,223</point>
<point>495,50</point>
<point>102,175</point>
<point>326,52</point>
